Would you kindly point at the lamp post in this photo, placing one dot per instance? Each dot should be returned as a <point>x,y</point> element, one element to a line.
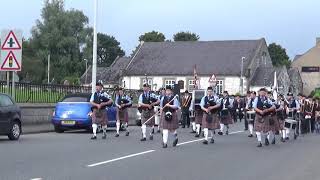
<point>94,54</point>
<point>241,76</point>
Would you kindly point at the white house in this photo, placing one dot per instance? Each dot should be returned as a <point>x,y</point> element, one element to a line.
<point>167,63</point>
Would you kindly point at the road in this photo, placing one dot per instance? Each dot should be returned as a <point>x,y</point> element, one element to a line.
<point>72,155</point>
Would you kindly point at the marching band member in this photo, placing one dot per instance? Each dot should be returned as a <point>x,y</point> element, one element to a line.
<point>238,108</point>
<point>246,100</point>
<point>122,102</point>
<point>186,108</point>
<point>210,104</point>
<point>250,115</point>
<point>162,93</point>
<point>291,110</point>
<point>99,101</point>
<point>309,114</point>
<point>317,115</point>
<point>225,115</point>
<point>280,112</point>
<point>147,101</point>
<point>263,106</point>
<point>198,118</point>
<point>169,104</point>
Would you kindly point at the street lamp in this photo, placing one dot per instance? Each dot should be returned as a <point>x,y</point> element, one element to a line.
<point>86,60</point>
<point>241,78</point>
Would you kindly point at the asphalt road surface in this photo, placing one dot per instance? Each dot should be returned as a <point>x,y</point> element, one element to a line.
<point>72,155</point>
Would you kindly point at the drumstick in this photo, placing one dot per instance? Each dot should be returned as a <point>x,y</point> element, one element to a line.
<point>160,110</point>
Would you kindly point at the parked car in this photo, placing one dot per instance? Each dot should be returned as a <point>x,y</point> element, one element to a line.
<point>73,113</point>
<point>10,118</point>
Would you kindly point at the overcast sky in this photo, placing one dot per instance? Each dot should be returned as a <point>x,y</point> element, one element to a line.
<point>293,24</point>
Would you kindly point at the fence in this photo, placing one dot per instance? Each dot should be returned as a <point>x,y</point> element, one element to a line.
<point>48,93</point>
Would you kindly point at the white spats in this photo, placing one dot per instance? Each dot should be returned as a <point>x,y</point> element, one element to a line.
<point>221,127</point>
<point>94,129</point>
<point>270,136</point>
<point>165,135</point>
<point>283,134</point>
<point>206,133</point>
<point>104,129</point>
<point>193,124</point>
<point>198,128</point>
<point>118,127</point>
<point>287,132</point>
<point>259,136</point>
<point>144,130</point>
<point>250,128</point>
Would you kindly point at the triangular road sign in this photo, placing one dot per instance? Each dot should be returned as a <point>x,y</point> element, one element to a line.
<point>10,62</point>
<point>11,42</point>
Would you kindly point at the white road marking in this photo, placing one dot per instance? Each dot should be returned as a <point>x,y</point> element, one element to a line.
<point>37,179</point>
<point>144,152</point>
<point>120,158</point>
<point>196,140</point>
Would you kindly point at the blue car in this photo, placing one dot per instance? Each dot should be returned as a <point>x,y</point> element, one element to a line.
<point>73,113</point>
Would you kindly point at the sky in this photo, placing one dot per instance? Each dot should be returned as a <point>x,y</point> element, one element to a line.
<point>294,24</point>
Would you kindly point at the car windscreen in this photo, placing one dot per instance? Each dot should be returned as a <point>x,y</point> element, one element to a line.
<point>75,99</point>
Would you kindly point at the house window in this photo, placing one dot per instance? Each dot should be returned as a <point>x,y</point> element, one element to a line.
<point>169,82</point>
<point>144,82</point>
<point>190,84</point>
<point>219,87</point>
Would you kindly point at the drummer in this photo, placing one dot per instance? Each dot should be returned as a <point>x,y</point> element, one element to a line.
<point>292,107</point>
<point>250,113</point>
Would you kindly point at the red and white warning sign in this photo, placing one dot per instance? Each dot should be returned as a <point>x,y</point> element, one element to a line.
<point>11,50</point>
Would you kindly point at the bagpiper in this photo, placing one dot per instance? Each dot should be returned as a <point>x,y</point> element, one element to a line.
<point>186,108</point>
<point>280,112</point>
<point>263,107</point>
<point>99,101</point>
<point>123,102</point>
<point>169,117</point>
<point>225,115</point>
<point>210,104</point>
<point>147,101</point>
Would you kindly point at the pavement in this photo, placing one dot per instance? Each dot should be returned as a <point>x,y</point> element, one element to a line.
<point>72,155</point>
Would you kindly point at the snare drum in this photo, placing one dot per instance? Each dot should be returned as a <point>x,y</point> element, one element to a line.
<point>290,114</point>
<point>251,115</point>
<point>290,123</point>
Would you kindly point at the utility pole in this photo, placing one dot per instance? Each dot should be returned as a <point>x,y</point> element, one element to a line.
<point>94,55</point>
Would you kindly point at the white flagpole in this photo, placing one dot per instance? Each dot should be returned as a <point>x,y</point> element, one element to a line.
<point>94,55</point>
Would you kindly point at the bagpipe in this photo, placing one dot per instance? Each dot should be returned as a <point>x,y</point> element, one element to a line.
<point>265,105</point>
<point>210,104</point>
<point>151,101</point>
<point>125,102</point>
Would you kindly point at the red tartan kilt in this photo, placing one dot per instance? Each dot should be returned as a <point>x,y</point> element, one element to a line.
<point>275,126</point>
<point>198,116</point>
<point>215,124</point>
<point>103,120</point>
<point>226,119</point>
<point>145,116</point>
<point>170,125</point>
<point>261,124</point>
<point>122,115</point>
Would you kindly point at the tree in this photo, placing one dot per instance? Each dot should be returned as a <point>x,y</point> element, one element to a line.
<point>108,49</point>
<point>60,33</point>
<point>152,36</point>
<point>185,36</point>
<point>278,55</point>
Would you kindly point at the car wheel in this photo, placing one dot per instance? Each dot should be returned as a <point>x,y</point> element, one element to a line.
<point>58,129</point>
<point>15,131</point>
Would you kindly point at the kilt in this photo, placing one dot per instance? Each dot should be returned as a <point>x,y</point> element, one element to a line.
<point>145,115</point>
<point>226,118</point>
<point>274,123</point>
<point>122,115</point>
<point>198,116</point>
<point>215,124</point>
<point>261,123</point>
<point>103,120</point>
<point>170,125</point>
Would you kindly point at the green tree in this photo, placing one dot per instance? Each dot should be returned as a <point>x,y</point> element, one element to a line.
<point>60,33</point>
<point>185,36</point>
<point>108,49</point>
<point>278,55</point>
<point>152,36</point>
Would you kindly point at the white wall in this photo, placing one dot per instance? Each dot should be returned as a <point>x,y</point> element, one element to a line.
<point>204,82</point>
<point>157,80</point>
<point>232,85</point>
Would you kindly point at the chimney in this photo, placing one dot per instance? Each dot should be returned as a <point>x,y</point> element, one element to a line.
<point>318,41</point>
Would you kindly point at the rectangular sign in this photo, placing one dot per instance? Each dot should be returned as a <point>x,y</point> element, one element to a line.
<point>310,69</point>
<point>11,50</point>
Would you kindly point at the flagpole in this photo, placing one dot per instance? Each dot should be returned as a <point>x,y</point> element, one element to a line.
<point>94,54</point>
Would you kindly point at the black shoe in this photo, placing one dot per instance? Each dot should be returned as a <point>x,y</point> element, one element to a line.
<point>259,145</point>
<point>193,131</point>
<point>143,139</point>
<point>266,142</point>
<point>197,135</point>
<point>94,137</point>
<point>205,142</point>
<point>212,141</point>
<point>250,135</point>
<point>220,133</point>
<point>151,137</point>
<point>175,142</point>
<point>183,126</point>
<point>158,131</point>
<point>117,135</point>
<point>287,138</point>
<point>273,141</point>
<point>127,133</point>
<point>164,145</point>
